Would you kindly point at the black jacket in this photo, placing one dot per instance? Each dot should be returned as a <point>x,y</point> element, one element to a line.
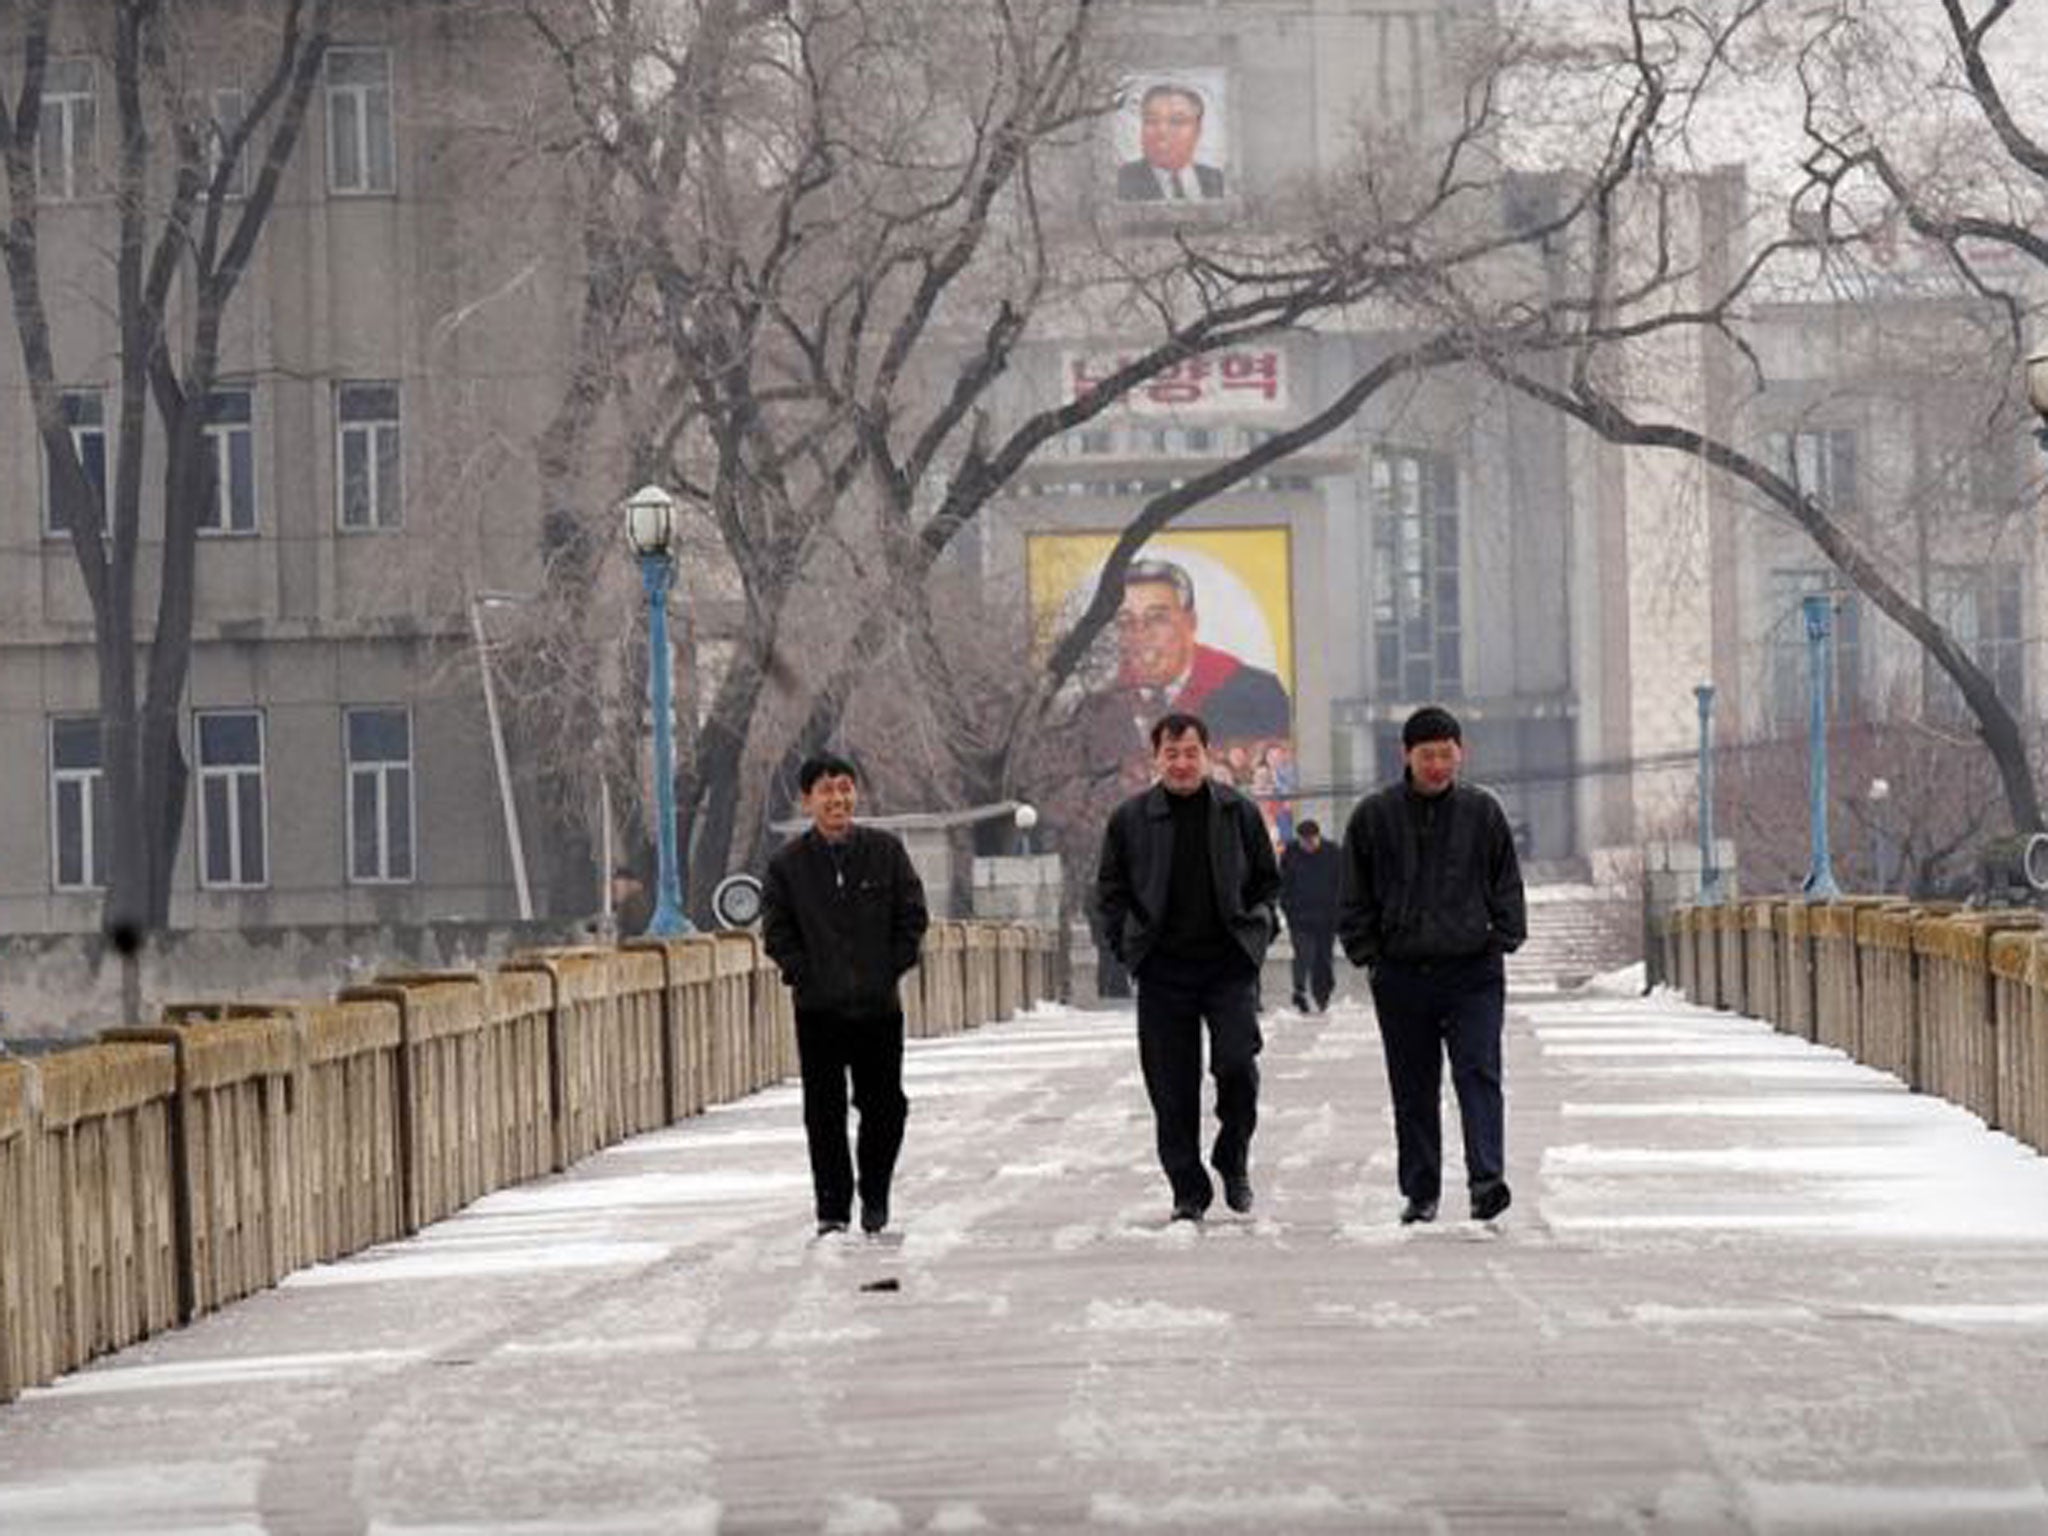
<point>1459,899</point>
<point>1309,883</point>
<point>843,924</point>
<point>1137,858</point>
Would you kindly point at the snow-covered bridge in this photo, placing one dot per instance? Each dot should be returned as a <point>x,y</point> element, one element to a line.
<point>1746,1285</point>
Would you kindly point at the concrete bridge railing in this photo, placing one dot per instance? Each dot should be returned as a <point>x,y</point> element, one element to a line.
<point>167,1170</point>
<point>1954,1003</point>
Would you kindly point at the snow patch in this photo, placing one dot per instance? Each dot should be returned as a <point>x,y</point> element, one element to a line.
<point>1150,1317</point>
<point>858,1515</point>
<point>1230,1509</point>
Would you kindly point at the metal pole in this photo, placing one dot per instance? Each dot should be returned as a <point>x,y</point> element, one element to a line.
<point>1820,878</point>
<point>1710,875</point>
<point>668,918</point>
<point>507,803</point>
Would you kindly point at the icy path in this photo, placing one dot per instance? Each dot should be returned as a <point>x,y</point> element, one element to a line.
<point>1746,1285</point>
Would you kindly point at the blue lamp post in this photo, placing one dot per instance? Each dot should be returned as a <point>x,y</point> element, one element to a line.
<point>1820,878</point>
<point>1710,874</point>
<point>651,526</point>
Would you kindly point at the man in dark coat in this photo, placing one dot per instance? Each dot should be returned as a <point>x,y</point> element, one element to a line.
<point>1310,873</point>
<point>1185,892</point>
<point>1432,900</point>
<point>842,916</point>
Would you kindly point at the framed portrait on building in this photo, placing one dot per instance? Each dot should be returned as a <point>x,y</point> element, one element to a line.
<point>1205,627</point>
<point>1172,139</point>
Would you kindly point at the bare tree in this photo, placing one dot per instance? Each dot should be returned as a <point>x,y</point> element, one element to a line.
<point>1825,231</point>
<point>190,199</point>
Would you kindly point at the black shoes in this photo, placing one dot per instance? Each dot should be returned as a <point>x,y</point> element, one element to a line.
<point>1490,1199</point>
<point>1187,1210</point>
<point>1418,1210</point>
<point>874,1215</point>
<point>1237,1193</point>
<point>827,1228</point>
<point>1301,1002</point>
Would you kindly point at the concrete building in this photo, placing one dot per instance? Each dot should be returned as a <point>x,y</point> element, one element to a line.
<point>372,425</point>
<point>399,344</point>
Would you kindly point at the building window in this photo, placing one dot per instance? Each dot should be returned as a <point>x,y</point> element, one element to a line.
<point>230,106</point>
<point>379,796</point>
<point>1820,464</point>
<point>231,438</point>
<point>359,156</point>
<point>368,452</point>
<point>78,805</point>
<point>232,828</point>
<point>1417,609</point>
<point>1981,607</point>
<point>1790,694</point>
<point>85,411</point>
<point>64,138</point>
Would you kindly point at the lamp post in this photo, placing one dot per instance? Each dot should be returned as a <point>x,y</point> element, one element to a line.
<point>508,805</point>
<point>1879,792</point>
<point>1026,817</point>
<point>651,528</point>
<point>1820,878</point>
<point>1710,875</point>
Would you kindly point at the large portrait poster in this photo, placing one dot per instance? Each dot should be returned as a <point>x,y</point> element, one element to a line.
<point>1205,627</point>
<point>1171,140</point>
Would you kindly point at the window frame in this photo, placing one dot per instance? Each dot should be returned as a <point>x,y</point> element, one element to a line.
<point>363,98</point>
<point>372,428</point>
<point>230,104</point>
<point>81,433</point>
<point>203,774</point>
<point>380,771</point>
<point>218,521</point>
<point>80,168</point>
<point>91,788</point>
<point>1419,521</point>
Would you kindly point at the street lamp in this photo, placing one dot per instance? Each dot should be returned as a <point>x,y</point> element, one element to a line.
<point>1818,608</point>
<point>508,805</point>
<point>651,528</point>
<point>1710,876</point>
<point>1026,817</point>
<point>1879,792</point>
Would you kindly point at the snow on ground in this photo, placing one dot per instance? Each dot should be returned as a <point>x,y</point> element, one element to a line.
<point>1747,1284</point>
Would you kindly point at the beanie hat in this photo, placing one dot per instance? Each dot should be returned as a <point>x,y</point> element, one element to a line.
<point>1430,723</point>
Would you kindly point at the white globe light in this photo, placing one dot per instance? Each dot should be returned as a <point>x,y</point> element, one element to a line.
<point>1026,817</point>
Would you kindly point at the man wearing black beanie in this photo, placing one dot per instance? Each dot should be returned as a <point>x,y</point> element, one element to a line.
<point>1432,901</point>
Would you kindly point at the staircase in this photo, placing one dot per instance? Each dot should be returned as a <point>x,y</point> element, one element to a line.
<point>1575,931</point>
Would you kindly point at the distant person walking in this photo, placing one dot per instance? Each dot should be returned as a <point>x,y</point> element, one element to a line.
<point>842,917</point>
<point>1432,901</point>
<point>1311,872</point>
<point>1185,891</point>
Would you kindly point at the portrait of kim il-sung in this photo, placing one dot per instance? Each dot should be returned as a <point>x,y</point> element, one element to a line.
<point>1173,138</point>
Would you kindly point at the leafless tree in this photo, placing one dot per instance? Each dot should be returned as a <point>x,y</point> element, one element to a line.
<point>1893,133</point>
<point>189,197</point>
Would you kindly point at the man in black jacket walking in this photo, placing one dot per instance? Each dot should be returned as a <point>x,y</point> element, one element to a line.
<point>1185,894</point>
<point>1310,873</point>
<point>1432,900</point>
<point>842,917</point>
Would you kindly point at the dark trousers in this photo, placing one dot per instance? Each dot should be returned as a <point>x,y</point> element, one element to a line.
<point>1426,1010</point>
<point>1175,999</point>
<point>1314,976</point>
<point>867,1047</point>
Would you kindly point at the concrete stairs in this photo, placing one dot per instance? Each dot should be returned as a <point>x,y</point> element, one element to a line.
<point>1575,932</point>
